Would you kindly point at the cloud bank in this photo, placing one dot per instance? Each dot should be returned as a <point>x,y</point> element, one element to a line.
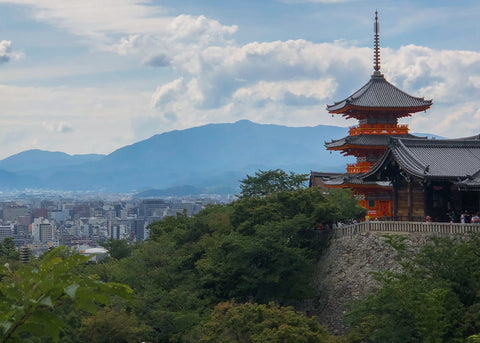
<point>216,79</point>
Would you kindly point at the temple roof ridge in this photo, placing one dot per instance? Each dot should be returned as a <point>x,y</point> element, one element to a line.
<point>378,94</point>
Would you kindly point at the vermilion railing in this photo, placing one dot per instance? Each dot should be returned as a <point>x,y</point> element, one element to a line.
<point>378,129</point>
<point>360,167</point>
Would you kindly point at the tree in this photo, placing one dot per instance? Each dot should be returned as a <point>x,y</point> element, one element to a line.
<point>110,326</point>
<point>258,249</point>
<point>31,295</point>
<point>347,206</point>
<point>250,322</point>
<point>117,248</point>
<point>271,181</point>
<point>8,249</point>
<point>271,250</point>
<point>434,299</point>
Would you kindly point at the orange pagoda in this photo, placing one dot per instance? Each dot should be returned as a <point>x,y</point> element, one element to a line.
<point>377,106</point>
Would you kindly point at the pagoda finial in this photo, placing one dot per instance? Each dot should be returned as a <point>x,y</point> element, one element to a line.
<point>376,57</point>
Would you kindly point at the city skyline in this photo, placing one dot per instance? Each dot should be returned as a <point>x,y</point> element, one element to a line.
<point>93,76</point>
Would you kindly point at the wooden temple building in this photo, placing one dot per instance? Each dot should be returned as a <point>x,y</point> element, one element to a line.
<point>397,175</point>
<point>435,178</point>
<point>377,106</point>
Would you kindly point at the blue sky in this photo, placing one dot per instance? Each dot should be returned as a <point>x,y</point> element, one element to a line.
<point>91,76</point>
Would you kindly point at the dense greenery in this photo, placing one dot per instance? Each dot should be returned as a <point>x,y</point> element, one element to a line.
<point>8,250</point>
<point>257,249</point>
<point>251,258</point>
<point>32,296</point>
<point>271,181</point>
<point>251,322</point>
<point>231,274</point>
<point>434,299</point>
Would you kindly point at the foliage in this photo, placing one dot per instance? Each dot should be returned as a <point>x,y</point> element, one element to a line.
<point>31,296</point>
<point>270,251</point>
<point>117,248</point>
<point>434,299</point>
<point>347,206</point>
<point>261,249</point>
<point>8,249</point>
<point>110,326</point>
<point>271,181</point>
<point>250,322</point>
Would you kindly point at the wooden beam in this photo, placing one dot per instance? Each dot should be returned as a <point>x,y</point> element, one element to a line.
<point>410,200</point>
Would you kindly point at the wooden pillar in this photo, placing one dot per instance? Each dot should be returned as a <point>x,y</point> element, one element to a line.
<point>425,200</point>
<point>410,200</point>
<point>395,202</point>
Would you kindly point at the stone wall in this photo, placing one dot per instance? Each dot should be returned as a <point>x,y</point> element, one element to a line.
<point>344,272</point>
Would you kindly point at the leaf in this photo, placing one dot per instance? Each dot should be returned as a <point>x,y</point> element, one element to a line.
<point>47,302</point>
<point>5,325</point>
<point>71,290</point>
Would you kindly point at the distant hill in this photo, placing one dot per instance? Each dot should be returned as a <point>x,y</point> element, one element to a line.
<point>38,159</point>
<point>208,157</point>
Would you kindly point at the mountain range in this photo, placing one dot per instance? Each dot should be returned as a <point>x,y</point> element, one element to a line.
<point>210,159</point>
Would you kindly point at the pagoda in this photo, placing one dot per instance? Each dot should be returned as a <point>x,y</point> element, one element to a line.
<point>377,106</point>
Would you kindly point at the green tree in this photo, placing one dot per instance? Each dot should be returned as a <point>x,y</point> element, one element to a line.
<point>257,248</point>
<point>110,326</point>
<point>8,250</point>
<point>271,181</point>
<point>31,295</point>
<point>346,205</point>
<point>434,299</point>
<point>117,248</point>
<point>250,323</point>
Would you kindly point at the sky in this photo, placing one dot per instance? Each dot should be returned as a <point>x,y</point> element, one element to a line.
<point>92,76</point>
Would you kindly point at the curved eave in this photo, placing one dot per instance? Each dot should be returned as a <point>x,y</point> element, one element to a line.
<point>372,186</point>
<point>414,167</point>
<point>343,185</point>
<point>360,147</point>
<point>400,111</point>
<point>363,188</point>
<point>377,165</point>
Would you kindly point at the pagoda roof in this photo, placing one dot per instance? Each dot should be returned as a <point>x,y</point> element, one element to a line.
<point>379,94</point>
<point>363,140</point>
<point>347,180</point>
<point>457,159</point>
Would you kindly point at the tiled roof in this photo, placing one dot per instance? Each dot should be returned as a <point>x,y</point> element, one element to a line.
<point>470,183</point>
<point>363,140</point>
<point>435,159</point>
<point>379,93</point>
<point>339,179</point>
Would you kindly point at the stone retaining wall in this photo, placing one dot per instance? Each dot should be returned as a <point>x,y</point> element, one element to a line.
<point>344,272</point>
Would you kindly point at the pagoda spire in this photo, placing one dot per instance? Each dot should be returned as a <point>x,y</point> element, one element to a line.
<point>376,56</point>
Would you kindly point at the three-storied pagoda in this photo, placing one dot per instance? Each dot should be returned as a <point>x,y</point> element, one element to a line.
<point>377,106</point>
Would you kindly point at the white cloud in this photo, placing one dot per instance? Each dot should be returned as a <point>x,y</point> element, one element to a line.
<point>221,71</point>
<point>57,126</point>
<point>130,26</point>
<point>315,1</point>
<point>73,120</point>
<point>290,82</point>
<point>216,80</point>
<point>177,91</point>
<point>450,121</point>
<point>297,93</point>
<point>447,76</point>
<point>6,53</point>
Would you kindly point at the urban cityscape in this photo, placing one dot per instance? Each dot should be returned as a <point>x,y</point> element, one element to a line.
<point>41,222</point>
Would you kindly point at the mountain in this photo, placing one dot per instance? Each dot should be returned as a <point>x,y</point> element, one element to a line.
<point>38,159</point>
<point>213,156</point>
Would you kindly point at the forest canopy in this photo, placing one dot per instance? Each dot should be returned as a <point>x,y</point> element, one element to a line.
<point>254,255</point>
